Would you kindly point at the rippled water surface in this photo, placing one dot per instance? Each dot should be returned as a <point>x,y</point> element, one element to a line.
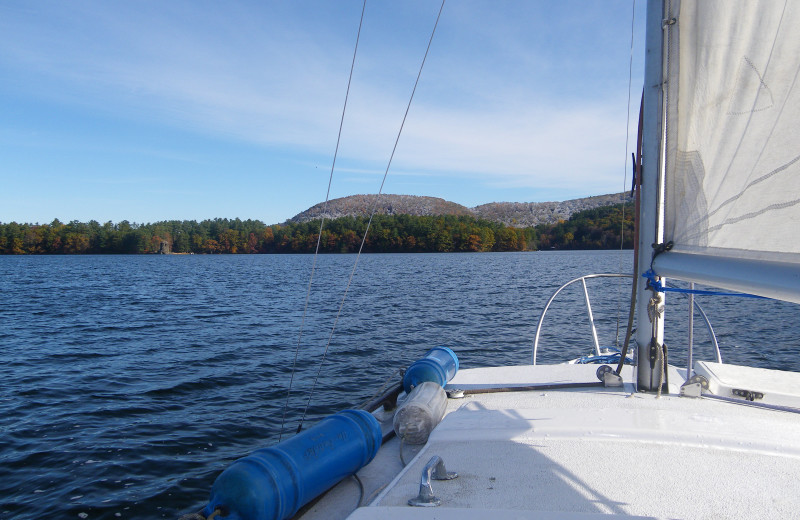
<point>127,383</point>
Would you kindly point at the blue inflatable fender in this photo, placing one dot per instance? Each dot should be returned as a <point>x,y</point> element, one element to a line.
<point>439,366</point>
<point>274,483</point>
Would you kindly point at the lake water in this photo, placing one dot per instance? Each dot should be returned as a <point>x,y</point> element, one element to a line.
<point>127,383</point>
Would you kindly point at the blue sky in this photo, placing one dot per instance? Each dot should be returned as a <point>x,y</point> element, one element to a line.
<point>153,110</point>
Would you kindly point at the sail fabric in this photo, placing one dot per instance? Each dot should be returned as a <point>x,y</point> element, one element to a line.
<point>732,124</point>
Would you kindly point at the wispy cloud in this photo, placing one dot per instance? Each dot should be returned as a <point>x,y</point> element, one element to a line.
<point>515,97</point>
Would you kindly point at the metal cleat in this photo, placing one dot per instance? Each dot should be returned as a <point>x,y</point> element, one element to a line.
<point>435,470</point>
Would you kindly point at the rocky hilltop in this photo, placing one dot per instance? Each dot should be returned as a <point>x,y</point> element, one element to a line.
<point>524,214</point>
<point>516,214</point>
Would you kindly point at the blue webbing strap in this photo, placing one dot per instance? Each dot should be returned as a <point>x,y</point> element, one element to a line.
<point>656,285</point>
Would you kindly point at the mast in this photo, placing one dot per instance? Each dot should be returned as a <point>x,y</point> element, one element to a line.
<point>648,371</point>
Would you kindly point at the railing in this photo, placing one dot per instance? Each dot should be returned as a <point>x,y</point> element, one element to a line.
<point>583,279</point>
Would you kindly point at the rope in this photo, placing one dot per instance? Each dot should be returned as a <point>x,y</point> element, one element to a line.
<point>199,516</point>
<point>655,284</point>
<point>193,516</point>
<point>360,488</point>
<point>661,359</point>
<point>655,310</point>
<point>637,193</point>
<point>369,223</point>
<point>402,459</point>
<point>321,223</point>
<point>375,493</point>
<point>382,388</point>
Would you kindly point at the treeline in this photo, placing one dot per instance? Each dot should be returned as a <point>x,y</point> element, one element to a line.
<point>597,228</point>
<point>593,229</point>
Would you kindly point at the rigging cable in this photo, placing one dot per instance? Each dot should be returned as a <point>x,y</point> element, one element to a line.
<point>637,192</point>
<point>369,222</point>
<point>625,166</point>
<point>321,223</point>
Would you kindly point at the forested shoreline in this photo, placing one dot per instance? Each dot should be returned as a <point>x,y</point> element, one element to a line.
<point>597,228</point>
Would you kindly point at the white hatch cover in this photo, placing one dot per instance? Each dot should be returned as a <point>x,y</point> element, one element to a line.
<point>775,387</point>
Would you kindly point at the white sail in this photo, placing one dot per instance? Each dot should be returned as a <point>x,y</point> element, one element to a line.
<point>732,154</point>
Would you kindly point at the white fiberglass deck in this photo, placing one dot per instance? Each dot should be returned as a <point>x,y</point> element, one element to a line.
<point>589,452</point>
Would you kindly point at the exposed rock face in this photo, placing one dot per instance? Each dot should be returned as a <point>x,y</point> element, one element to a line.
<point>524,214</point>
<point>361,205</point>
<point>516,214</point>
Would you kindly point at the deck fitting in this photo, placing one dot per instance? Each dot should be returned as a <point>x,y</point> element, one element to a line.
<point>435,470</point>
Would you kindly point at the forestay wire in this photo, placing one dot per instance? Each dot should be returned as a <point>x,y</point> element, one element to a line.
<point>322,223</point>
<point>369,222</point>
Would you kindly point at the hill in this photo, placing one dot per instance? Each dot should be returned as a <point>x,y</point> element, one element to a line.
<point>514,214</point>
<point>361,206</point>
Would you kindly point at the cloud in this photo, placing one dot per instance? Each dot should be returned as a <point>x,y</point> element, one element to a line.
<point>513,145</point>
<point>496,101</point>
<point>262,83</point>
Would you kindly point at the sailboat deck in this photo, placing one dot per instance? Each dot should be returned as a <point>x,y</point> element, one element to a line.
<point>587,452</point>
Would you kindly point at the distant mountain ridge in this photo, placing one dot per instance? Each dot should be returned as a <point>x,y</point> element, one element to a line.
<point>514,214</point>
